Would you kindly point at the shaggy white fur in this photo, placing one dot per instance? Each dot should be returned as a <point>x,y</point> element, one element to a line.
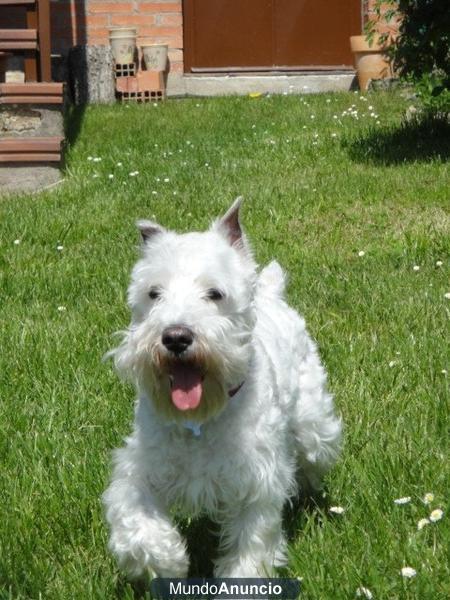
<point>232,413</point>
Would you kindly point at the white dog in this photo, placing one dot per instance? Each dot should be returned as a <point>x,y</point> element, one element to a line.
<point>232,413</point>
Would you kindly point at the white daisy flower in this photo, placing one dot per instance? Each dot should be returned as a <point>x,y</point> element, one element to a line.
<point>405,499</point>
<point>439,263</point>
<point>428,498</point>
<point>59,248</point>
<point>337,510</point>
<point>119,164</point>
<point>436,515</point>
<point>110,176</point>
<point>361,253</point>
<point>17,242</point>
<point>363,592</point>
<point>447,295</point>
<point>408,572</point>
<point>416,268</point>
<point>61,308</point>
<point>422,523</point>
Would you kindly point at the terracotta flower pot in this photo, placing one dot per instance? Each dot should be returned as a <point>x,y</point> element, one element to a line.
<point>371,61</point>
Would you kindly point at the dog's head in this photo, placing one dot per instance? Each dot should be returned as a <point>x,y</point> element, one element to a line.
<point>191,297</point>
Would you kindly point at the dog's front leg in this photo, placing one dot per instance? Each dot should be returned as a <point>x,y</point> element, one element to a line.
<point>143,537</point>
<point>252,542</point>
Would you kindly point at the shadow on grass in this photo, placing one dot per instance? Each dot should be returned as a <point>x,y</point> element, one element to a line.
<point>421,141</point>
<point>311,503</point>
<point>202,536</point>
<point>72,123</point>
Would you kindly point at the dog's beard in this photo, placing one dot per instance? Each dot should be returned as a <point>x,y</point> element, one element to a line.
<point>199,370</point>
<point>143,358</point>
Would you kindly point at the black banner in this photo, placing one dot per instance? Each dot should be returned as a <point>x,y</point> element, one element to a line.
<point>226,589</point>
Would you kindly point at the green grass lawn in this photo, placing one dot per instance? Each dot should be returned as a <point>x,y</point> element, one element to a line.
<point>354,207</point>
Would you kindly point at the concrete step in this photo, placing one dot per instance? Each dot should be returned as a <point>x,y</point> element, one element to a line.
<point>270,83</point>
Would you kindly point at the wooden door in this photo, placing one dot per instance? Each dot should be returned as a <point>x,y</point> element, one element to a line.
<point>252,35</point>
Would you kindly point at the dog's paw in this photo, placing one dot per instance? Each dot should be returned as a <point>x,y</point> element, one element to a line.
<point>143,555</point>
<point>243,568</point>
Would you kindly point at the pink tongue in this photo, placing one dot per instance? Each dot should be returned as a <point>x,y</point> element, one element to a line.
<point>186,390</point>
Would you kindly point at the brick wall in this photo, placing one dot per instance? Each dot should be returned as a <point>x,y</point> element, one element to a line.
<point>87,22</point>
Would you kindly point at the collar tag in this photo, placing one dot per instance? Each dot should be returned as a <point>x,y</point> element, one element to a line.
<point>194,427</point>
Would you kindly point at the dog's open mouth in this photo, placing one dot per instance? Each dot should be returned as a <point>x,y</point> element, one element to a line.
<point>186,385</point>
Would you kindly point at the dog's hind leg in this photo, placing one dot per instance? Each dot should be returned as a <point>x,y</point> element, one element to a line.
<point>316,427</point>
<point>252,541</point>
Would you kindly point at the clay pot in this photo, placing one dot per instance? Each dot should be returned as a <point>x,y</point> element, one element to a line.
<point>123,45</point>
<point>155,56</point>
<point>371,61</point>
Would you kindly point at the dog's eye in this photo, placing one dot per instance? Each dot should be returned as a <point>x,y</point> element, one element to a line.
<point>154,293</point>
<point>214,294</point>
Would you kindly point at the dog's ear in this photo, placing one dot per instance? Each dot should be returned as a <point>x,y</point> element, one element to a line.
<point>149,229</point>
<point>229,224</point>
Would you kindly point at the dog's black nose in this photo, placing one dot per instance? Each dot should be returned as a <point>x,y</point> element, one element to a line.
<point>177,338</point>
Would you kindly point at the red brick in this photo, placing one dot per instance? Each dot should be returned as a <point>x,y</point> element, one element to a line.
<point>98,32</point>
<point>172,41</point>
<point>97,20</point>
<point>156,30</point>
<point>176,55</point>
<point>156,7</point>
<point>173,20</point>
<point>176,67</point>
<point>132,20</point>
<point>110,7</point>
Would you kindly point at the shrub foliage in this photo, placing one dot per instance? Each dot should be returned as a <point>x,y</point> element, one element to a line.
<point>421,50</point>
